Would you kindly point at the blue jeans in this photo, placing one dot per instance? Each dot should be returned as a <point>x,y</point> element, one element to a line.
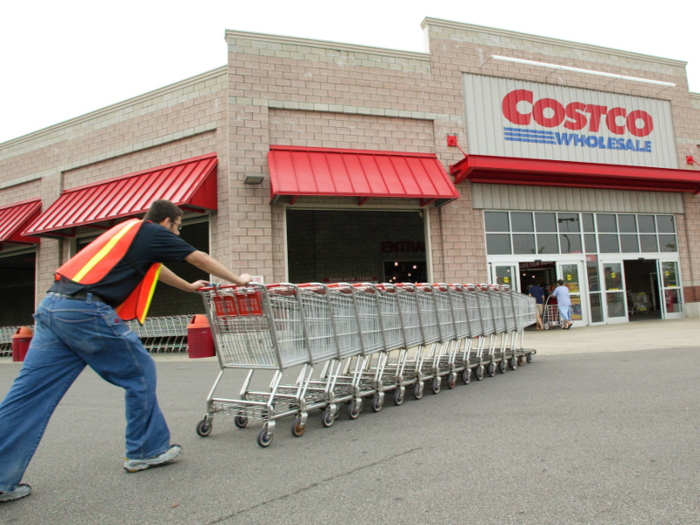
<point>69,335</point>
<point>565,312</point>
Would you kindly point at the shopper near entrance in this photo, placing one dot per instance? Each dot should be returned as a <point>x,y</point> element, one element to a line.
<point>561,292</point>
<point>537,292</point>
<point>81,322</point>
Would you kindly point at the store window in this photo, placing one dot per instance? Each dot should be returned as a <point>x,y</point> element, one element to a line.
<point>527,233</point>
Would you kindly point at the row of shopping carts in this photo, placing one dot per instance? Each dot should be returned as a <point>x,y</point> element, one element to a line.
<point>167,334</point>
<point>6,333</point>
<point>366,341</point>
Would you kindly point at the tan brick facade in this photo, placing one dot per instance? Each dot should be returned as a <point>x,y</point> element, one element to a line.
<point>290,91</point>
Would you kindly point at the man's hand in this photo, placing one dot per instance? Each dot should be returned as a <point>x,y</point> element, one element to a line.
<point>198,284</point>
<point>245,278</point>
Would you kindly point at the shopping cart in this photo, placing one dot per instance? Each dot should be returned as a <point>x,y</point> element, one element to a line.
<point>258,327</point>
<point>550,315</point>
<point>467,330</point>
<point>499,341</point>
<point>525,313</point>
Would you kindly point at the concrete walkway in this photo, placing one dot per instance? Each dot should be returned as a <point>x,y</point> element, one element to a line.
<point>640,335</point>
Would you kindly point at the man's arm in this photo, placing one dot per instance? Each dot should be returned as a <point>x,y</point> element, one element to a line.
<point>168,277</point>
<point>210,265</point>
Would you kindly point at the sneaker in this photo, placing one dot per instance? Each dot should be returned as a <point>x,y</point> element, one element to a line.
<point>135,465</point>
<point>20,491</point>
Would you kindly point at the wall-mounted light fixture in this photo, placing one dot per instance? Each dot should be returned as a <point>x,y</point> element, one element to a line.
<point>254,178</point>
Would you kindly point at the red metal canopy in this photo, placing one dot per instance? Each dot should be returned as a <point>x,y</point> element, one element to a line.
<point>191,184</point>
<point>15,218</point>
<point>363,174</point>
<point>536,172</point>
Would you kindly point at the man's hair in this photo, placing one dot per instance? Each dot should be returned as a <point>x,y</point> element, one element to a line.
<point>161,210</point>
<point>560,282</point>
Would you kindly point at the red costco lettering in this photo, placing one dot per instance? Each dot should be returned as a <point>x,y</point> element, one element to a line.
<point>611,122</point>
<point>596,112</point>
<point>548,122</point>
<point>647,126</point>
<point>574,111</point>
<point>510,101</point>
<point>550,113</point>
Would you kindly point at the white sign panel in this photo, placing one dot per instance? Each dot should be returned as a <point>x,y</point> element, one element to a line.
<point>514,118</point>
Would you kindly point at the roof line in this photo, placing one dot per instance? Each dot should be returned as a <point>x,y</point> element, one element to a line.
<point>327,44</point>
<point>546,40</point>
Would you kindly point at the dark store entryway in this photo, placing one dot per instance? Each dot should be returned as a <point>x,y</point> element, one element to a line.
<point>339,245</point>
<point>642,285</point>
<point>19,282</point>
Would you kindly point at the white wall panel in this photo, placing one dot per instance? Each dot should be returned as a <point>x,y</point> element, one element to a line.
<point>544,198</point>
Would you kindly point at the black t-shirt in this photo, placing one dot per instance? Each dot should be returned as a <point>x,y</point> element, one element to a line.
<point>152,244</point>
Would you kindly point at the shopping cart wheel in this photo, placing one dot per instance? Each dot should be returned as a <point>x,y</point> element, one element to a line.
<point>264,438</point>
<point>435,385</point>
<point>353,411</point>
<point>466,376</point>
<point>399,396</point>
<point>529,358</point>
<point>547,326</point>
<point>377,404</point>
<point>479,372</point>
<point>452,380</point>
<point>491,369</point>
<point>418,390</point>
<point>241,421</point>
<point>502,367</point>
<point>512,363</point>
<point>204,428</point>
<point>521,360</point>
<point>297,428</point>
<point>328,417</point>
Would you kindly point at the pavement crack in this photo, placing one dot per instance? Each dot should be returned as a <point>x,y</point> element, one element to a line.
<point>314,485</point>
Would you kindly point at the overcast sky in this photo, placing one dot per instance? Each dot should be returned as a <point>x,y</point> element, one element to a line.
<point>62,59</point>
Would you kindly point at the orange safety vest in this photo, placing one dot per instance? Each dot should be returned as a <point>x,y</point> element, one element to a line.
<point>97,259</point>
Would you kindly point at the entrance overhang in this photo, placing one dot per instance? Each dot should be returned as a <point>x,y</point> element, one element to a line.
<point>15,218</point>
<point>538,172</point>
<point>360,174</point>
<point>189,184</point>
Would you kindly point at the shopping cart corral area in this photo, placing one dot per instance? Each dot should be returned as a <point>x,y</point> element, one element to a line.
<point>158,334</point>
<point>356,345</point>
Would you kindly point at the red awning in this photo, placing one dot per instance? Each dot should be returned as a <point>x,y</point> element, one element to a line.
<point>322,172</point>
<point>15,218</point>
<point>191,184</point>
<point>536,172</point>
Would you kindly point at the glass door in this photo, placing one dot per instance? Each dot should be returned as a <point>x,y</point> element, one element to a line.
<point>595,295</point>
<point>615,298</point>
<point>505,273</point>
<point>572,275</point>
<point>671,293</point>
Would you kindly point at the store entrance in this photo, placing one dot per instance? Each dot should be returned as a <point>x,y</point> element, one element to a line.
<point>330,246</point>
<point>542,273</point>
<point>18,288</point>
<point>643,292</point>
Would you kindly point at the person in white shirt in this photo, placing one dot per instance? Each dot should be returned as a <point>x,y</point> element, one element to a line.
<point>561,292</point>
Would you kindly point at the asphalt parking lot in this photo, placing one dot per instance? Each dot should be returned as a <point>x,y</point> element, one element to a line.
<point>581,438</point>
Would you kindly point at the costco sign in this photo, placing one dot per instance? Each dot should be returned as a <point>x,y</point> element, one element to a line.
<point>524,119</point>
